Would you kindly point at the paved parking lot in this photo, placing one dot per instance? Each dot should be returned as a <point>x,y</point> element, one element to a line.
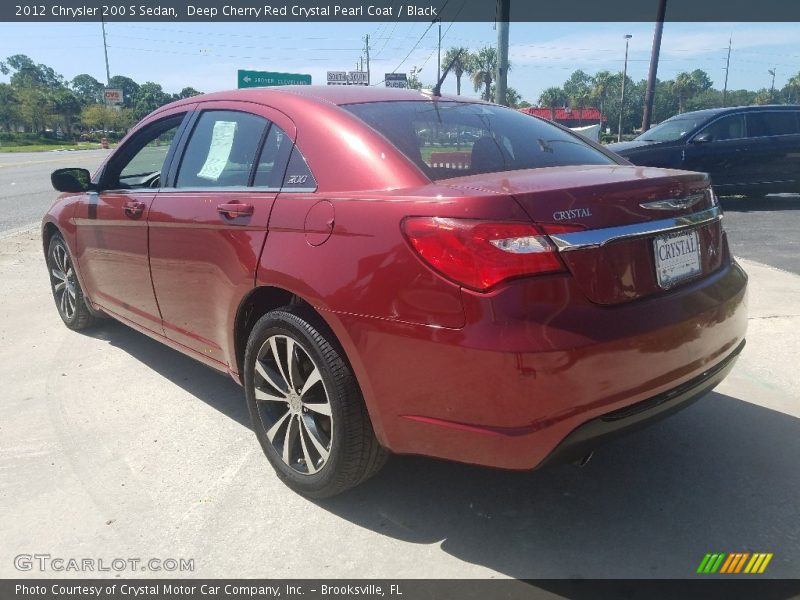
<point>115,446</point>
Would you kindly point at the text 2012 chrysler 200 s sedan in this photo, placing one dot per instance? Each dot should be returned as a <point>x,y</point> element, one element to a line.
<point>385,270</point>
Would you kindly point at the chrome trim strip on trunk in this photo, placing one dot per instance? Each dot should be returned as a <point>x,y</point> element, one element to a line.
<point>596,238</point>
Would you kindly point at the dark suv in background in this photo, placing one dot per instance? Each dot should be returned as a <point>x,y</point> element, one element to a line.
<point>747,150</point>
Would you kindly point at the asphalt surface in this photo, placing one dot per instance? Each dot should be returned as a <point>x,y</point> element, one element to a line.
<point>25,190</point>
<point>761,229</point>
<point>113,445</point>
<point>765,229</point>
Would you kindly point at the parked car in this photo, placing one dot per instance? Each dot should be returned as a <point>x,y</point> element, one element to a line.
<point>749,150</point>
<point>509,312</point>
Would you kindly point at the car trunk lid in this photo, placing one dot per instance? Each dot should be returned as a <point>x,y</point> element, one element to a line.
<point>606,221</point>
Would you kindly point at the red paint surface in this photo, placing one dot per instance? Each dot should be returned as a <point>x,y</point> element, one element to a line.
<point>496,378</point>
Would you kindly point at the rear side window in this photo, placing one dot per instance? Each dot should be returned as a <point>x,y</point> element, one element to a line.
<point>451,139</point>
<point>760,124</point>
<point>222,150</point>
<point>272,159</point>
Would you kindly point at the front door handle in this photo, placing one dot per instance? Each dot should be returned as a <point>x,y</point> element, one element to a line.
<point>134,208</point>
<point>235,209</point>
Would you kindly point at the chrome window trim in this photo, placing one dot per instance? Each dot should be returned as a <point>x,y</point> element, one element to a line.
<point>596,238</point>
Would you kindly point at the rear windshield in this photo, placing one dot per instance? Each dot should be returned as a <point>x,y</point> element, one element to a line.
<point>453,139</point>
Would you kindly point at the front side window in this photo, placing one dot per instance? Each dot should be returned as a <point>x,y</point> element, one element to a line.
<point>141,160</point>
<point>222,150</point>
<point>727,128</point>
<point>451,139</point>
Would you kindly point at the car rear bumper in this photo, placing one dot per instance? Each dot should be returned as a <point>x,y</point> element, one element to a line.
<point>588,436</point>
<point>537,361</point>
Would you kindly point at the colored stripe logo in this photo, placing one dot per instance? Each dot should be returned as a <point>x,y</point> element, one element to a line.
<point>733,563</point>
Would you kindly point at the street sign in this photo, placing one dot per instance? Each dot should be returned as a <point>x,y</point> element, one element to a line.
<point>112,96</point>
<point>396,80</point>
<point>251,79</point>
<point>337,77</point>
<point>357,78</point>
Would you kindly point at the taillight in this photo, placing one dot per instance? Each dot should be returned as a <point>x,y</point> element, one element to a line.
<point>480,254</point>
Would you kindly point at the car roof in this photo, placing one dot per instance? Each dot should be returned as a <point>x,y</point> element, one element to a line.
<point>713,112</point>
<point>328,94</point>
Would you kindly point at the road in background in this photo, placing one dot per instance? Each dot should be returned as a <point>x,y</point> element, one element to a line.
<point>25,190</point>
<point>761,229</point>
<point>765,229</point>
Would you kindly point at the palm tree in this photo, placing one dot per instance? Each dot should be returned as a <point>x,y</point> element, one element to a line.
<point>601,84</point>
<point>553,97</point>
<point>483,69</point>
<point>683,88</point>
<point>461,58</point>
<point>794,87</point>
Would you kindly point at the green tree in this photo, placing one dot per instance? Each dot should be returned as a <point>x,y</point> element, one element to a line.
<point>461,59</point>
<point>483,69</point>
<point>8,106</point>
<point>684,86</point>
<point>149,97</point>
<point>128,86</point>
<point>67,107</point>
<point>793,89</point>
<point>600,86</point>
<point>87,88</point>
<point>552,98</point>
<point>186,92</point>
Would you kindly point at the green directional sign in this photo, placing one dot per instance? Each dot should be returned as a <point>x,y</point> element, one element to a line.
<point>250,79</point>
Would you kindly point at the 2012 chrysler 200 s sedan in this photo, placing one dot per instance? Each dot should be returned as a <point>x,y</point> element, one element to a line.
<point>385,270</point>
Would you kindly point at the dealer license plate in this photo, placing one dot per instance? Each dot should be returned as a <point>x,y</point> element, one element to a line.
<point>677,257</point>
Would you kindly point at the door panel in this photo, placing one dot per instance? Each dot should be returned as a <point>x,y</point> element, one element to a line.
<point>207,229</point>
<point>112,234</point>
<point>727,157</point>
<point>112,247</point>
<point>203,262</point>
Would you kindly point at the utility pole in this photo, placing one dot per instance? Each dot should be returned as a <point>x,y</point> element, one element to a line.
<point>367,50</point>
<point>649,96</point>
<point>439,59</point>
<point>504,14</point>
<point>628,37</point>
<point>727,68</point>
<point>105,51</point>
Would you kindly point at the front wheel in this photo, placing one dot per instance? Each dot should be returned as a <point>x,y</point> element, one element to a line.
<point>67,292</point>
<point>306,407</point>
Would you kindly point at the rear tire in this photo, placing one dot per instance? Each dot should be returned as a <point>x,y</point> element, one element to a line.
<point>306,406</point>
<point>67,293</point>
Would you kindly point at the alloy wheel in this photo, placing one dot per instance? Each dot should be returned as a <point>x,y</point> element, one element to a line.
<point>293,404</point>
<point>62,277</point>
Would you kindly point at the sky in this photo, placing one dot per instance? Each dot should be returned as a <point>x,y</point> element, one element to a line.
<point>206,56</point>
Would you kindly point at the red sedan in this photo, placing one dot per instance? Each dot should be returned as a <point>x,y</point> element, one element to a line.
<point>385,270</point>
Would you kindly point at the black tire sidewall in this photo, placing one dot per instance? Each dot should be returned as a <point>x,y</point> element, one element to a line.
<point>290,325</point>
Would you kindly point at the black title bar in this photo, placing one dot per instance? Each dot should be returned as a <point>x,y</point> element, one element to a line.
<point>266,11</point>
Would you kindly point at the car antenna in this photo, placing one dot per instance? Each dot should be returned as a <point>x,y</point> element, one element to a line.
<point>437,89</point>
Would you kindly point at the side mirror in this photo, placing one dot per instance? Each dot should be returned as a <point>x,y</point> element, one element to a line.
<point>71,180</point>
<point>703,138</point>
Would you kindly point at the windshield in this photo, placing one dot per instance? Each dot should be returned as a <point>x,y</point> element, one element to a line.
<point>670,130</point>
<point>453,139</point>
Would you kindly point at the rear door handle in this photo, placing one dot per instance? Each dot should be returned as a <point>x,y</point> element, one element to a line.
<point>133,208</point>
<point>235,209</point>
